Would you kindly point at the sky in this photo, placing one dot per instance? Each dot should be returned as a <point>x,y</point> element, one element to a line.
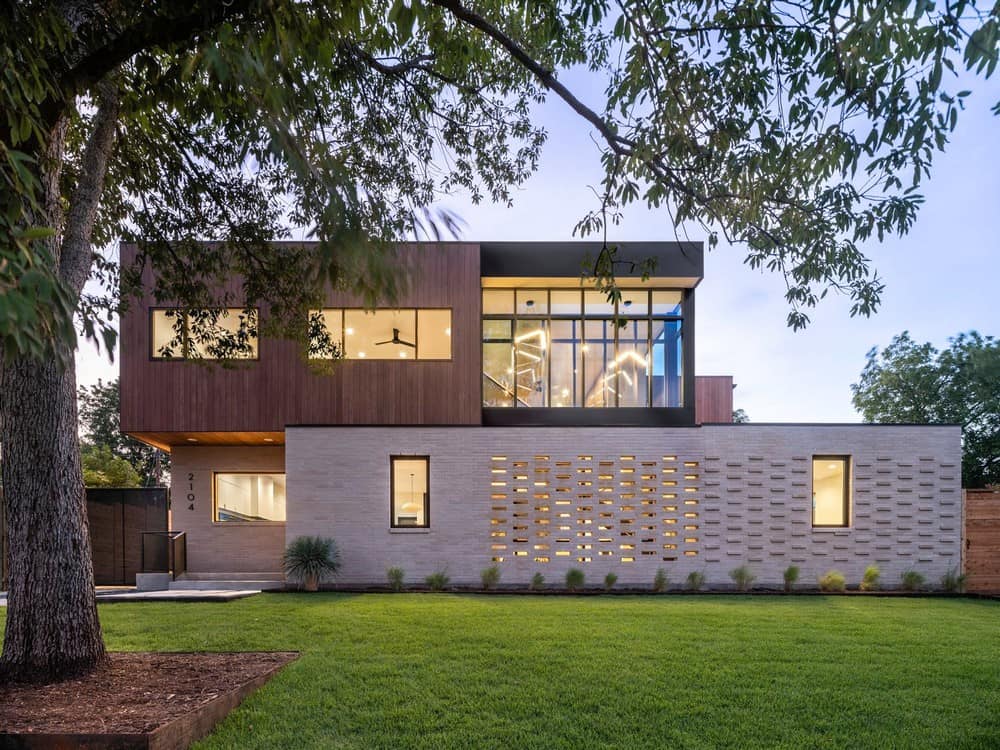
<point>941,279</point>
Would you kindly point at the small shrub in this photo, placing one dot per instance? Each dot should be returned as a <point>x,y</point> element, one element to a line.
<point>308,559</point>
<point>660,581</point>
<point>537,582</point>
<point>609,581</point>
<point>953,581</point>
<point>912,580</point>
<point>574,579</point>
<point>395,576</point>
<point>869,581</point>
<point>832,580</point>
<point>438,580</point>
<point>791,576</point>
<point>742,577</point>
<point>490,577</point>
<point>695,580</point>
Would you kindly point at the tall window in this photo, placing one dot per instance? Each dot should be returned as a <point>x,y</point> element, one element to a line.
<point>565,348</point>
<point>249,497</point>
<point>380,334</point>
<point>831,504</point>
<point>213,333</point>
<point>409,491</point>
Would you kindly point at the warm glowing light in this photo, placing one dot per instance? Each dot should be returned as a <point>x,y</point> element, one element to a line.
<point>402,355</point>
<point>349,331</point>
<point>538,333</point>
<point>361,355</point>
<point>192,440</point>
<point>447,331</point>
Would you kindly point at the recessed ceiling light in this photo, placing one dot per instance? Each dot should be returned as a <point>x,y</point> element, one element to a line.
<point>361,355</point>
<point>447,332</point>
<point>192,440</point>
<point>349,331</point>
<point>268,440</point>
<point>402,355</point>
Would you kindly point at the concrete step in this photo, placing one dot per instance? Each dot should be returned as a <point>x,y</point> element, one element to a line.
<point>223,576</point>
<point>218,584</point>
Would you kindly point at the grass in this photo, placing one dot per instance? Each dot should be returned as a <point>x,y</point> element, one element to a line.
<point>449,671</point>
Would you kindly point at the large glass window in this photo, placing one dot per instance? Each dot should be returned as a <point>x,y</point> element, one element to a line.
<point>574,347</point>
<point>249,497</point>
<point>410,491</point>
<point>380,334</point>
<point>831,490</point>
<point>215,333</point>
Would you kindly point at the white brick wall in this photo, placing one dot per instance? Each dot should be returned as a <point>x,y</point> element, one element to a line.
<point>750,491</point>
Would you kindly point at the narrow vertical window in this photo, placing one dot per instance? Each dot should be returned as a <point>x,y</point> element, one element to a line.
<point>410,491</point>
<point>831,505</point>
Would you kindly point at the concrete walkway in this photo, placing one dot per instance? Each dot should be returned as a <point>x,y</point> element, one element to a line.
<point>125,594</point>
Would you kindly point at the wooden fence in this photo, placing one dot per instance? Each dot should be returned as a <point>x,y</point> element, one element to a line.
<point>982,539</point>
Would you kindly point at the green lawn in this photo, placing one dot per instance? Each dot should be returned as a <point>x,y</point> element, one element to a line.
<point>443,671</point>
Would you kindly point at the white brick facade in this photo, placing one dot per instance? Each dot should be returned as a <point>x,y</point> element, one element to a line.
<point>627,500</point>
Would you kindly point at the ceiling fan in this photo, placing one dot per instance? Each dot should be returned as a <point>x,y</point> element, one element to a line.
<point>396,340</point>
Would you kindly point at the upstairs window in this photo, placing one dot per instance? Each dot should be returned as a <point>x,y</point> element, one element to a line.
<point>575,348</point>
<point>423,334</point>
<point>226,333</point>
<point>409,492</point>
<point>831,505</point>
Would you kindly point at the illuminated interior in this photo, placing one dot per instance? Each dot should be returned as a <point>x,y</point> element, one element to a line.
<point>223,333</point>
<point>249,497</point>
<point>410,493</point>
<point>830,490</point>
<point>564,348</point>
<point>382,334</point>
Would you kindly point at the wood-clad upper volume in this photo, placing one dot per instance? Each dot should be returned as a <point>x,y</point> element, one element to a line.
<point>169,397</point>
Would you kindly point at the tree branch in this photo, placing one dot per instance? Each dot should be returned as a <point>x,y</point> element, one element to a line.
<point>76,256</point>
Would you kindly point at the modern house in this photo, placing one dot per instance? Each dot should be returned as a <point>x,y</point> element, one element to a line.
<point>506,413</point>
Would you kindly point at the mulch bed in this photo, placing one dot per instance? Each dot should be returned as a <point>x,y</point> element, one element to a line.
<point>133,693</point>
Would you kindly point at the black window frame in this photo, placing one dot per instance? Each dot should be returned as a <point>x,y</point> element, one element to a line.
<point>416,333</point>
<point>846,460</point>
<point>184,355</point>
<point>392,491</point>
<point>682,317</point>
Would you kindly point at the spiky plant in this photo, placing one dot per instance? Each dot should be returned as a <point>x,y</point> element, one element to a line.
<point>308,559</point>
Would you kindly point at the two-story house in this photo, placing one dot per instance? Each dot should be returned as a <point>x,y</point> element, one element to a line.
<point>505,413</point>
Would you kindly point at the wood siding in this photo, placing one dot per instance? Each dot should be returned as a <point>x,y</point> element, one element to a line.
<point>982,540</point>
<point>264,396</point>
<point>713,398</point>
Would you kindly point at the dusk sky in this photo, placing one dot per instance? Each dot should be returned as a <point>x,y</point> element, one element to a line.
<point>941,279</point>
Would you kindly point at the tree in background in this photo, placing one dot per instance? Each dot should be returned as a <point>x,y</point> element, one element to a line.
<point>911,382</point>
<point>740,416</point>
<point>100,425</point>
<point>102,468</point>
<point>798,129</point>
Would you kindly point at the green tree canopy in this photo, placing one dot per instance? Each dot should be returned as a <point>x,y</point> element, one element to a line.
<point>911,382</point>
<point>100,425</point>
<point>102,468</point>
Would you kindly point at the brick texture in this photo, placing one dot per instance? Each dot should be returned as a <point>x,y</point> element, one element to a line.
<point>627,500</point>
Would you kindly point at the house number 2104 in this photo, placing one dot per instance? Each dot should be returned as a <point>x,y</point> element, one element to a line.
<point>190,494</point>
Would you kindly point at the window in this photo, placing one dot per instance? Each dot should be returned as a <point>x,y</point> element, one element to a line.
<point>380,334</point>
<point>409,491</point>
<point>249,497</point>
<point>831,491</point>
<point>565,348</point>
<point>212,333</point>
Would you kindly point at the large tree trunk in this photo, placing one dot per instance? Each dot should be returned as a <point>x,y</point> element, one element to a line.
<point>52,625</point>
